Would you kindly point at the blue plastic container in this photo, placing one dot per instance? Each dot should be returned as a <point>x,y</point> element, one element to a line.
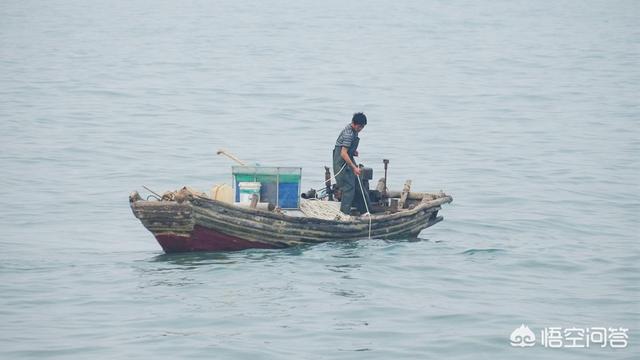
<point>288,195</point>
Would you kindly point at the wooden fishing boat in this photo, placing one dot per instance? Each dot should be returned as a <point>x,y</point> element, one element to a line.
<point>194,222</point>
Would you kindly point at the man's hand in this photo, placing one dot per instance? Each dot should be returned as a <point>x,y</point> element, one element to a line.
<point>357,171</point>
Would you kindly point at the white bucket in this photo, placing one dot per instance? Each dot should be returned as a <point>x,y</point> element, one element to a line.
<point>247,189</point>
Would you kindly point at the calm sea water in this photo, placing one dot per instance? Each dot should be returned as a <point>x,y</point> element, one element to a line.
<point>527,112</point>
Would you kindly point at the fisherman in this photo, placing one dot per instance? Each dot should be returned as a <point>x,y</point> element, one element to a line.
<point>345,168</point>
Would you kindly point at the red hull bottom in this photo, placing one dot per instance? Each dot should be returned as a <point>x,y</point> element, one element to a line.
<point>203,239</point>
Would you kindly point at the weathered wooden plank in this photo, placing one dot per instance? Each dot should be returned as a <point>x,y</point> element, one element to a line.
<point>170,217</point>
<point>265,216</point>
<point>270,229</point>
<point>283,230</point>
<point>263,234</point>
<point>412,195</point>
<point>259,219</point>
<point>332,226</point>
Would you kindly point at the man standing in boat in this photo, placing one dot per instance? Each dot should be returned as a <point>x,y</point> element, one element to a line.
<point>345,168</point>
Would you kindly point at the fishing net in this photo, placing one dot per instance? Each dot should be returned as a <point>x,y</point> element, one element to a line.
<point>326,210</point>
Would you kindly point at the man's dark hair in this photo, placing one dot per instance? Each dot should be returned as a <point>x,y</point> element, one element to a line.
<point>359,119</point>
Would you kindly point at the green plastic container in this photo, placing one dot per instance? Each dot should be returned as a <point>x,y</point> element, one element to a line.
<point>279,185</point>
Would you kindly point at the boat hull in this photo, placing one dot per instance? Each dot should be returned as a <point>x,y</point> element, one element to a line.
<point>203,239</point>
<point>202,224</point>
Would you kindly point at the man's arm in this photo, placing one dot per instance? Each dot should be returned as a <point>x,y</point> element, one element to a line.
<point>344,154</point>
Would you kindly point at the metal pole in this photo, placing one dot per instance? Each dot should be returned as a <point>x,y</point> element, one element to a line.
<point>386,164</point>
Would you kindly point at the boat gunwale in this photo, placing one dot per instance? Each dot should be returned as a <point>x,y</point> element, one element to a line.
<point>200,206</point>
<point>304,219</point>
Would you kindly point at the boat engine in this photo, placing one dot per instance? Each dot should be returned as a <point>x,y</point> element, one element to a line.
<point>311,194</point>
<point>366,175</point>
<point>333,191</point>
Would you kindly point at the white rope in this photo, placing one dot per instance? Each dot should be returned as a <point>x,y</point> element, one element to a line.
<point>324,183</point>
<point>366,205</point>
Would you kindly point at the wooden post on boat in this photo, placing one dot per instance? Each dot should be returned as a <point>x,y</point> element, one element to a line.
<point>382,185</point>
<point>412,195</point>
<point>405,194</point>
<point>327,182</point>
<point>393,205</point>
